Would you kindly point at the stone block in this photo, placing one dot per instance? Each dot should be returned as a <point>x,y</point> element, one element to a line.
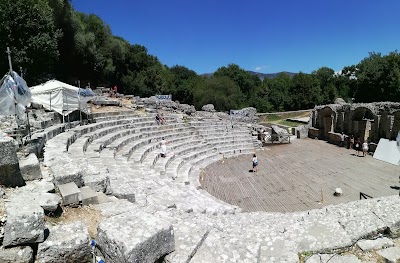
<point>70,193</point>
<point>42,186</point>
<point>379,243</point>
<point>89,197</point>
<point>30,168</point>
<point>65,243</point>
<point>10,174</point>
<point>66,173</point>
<point>16,255</point>
<point>325,258</point>
<point>25,223</point>
<point>48,201</point>
<point>135,237</point>
<point>102,198</point>
<point>98,182</point>
<point>391,255</point>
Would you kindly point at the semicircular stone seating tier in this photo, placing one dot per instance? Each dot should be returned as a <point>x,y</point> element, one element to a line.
<point>160,203</point>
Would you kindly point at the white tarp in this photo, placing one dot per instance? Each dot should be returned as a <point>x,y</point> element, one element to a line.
<point>14,93</point>
<point>60,97</point>
<point>388,151</point>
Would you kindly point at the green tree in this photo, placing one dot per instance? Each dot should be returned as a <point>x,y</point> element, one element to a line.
<point>305,92</point>
<point>279,92</point>
<point>378,78</point>
<point>182,83</point>
<point>246,81</point>
<point>326,79</point>
<point>223,92</point>
<point>27,27</point>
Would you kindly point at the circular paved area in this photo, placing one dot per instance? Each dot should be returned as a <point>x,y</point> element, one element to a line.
<point>298,176</point>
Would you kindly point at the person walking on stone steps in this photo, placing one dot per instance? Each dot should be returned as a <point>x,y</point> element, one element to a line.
<point>255,163</point>
<point>163,147</point>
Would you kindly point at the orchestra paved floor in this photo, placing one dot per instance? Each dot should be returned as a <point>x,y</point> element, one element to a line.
<point>298,176</point>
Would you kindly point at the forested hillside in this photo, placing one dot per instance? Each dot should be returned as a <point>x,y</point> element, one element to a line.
<point>49,39</point>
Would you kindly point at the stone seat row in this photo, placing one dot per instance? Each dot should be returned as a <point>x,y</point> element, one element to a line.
<point>159,220</point>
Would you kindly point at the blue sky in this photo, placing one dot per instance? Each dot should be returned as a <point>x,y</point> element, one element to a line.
<point>264,36</point>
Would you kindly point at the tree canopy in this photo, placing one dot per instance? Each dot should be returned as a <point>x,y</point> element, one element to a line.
<point>49,39</point>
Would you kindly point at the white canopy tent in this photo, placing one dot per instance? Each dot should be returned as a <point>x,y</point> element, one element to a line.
<point>61,97</point>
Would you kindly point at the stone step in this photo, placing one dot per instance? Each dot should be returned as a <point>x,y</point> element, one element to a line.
<point>70,193</point>
<point>89,196</point>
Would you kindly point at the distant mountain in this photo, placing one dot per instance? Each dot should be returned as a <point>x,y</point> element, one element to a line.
<point>262,76</point>
<point>270,75</point>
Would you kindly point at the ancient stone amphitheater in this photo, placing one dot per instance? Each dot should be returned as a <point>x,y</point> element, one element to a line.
<point>156,211</point>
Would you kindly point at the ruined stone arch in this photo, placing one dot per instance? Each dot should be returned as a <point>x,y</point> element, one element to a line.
<point>364,123</point>
<point>326,121</point>
<point>396,125</point>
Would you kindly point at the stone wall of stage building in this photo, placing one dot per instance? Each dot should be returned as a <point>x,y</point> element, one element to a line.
<point>367,121</point>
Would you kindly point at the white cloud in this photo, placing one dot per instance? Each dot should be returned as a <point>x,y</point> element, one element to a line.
<point>258,68</point>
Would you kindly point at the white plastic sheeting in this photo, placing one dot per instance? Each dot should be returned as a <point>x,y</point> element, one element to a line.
<point>14,93</point>
<point>60,97</point>
<point>388,151</point>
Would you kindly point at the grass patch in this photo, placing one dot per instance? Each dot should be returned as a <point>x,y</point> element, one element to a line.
<point>290,123</point>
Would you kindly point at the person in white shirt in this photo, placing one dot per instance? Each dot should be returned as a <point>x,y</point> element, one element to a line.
<point>365,148</point>
<point>163,147</point>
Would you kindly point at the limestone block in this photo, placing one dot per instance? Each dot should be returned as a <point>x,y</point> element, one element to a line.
<point>16,255</point>
<point>118,207</point>
<point>325,258</point>
<point>42,186</point>
<point>70,193</point>
<point>88,196</point>
<point>391,255</point>
<point>219,247</point>
<point>379,243</point>
<point>30,168</point>
<point>25,223</point>
<point>135,237</point>
<point>48,201</point>
<point>66,243</point>
<point>208,107</point>
<point>188,238</point>
<point>98,182</point>
<point>66,173</point>
<point>10,174</point>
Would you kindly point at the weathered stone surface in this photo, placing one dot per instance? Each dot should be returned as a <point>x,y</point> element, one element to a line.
<point>70,193</point>
<point>48,201</point>
<point>219,247</point>
<point>189,236</point>
<point>208,107</point>
<point>135,237</point>
<point>379,243</point>
<point>66,173</point>
<point>340,101</point>
<point>188,109</point>
<point>118,207</point>
<point>88,196</point>
<point>16,255</point>
<point>10,174</point>
<point>25,223</point>
<point>2,193</point>
<point>41,186</point>
<point>98,182</point>
<point>391,255</point>
<point>30,168</point>
<point>65,243</point>
<point>333,258</point>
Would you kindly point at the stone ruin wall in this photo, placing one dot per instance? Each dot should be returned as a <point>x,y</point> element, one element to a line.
<point>367,121</point>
